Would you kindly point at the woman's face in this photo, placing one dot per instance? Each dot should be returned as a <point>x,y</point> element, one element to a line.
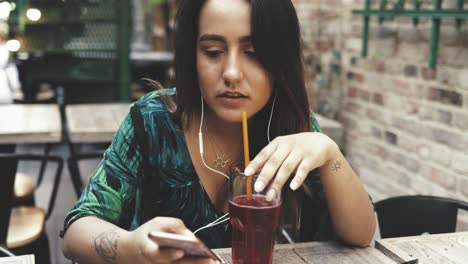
<point>231,79</point>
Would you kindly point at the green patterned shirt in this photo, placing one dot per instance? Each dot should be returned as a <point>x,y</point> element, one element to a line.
<point>113,193</point>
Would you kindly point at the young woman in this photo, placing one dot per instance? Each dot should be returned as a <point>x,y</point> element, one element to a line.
<point>231,56</point>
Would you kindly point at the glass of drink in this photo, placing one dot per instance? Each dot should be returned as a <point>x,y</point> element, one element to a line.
<point>254,220</point>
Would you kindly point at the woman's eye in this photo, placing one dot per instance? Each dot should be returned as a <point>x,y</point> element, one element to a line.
<point>213,53</point>
<point>251,54</point>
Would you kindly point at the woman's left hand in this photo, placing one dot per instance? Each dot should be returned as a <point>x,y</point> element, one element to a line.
<point>301,152</point>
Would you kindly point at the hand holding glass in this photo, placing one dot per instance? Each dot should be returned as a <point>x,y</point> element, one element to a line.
<point>254,220</point>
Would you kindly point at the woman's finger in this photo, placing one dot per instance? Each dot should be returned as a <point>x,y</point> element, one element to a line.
<point>197,261</point>
<point>302,171</point>
<point>271,167</point>
<point>152,251</point>
<point>169,255</point>
<point>169,224</point>
<point>261,158</point>
<point>284,172</point>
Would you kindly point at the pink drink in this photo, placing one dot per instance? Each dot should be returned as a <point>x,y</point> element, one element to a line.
<point>254,223</point>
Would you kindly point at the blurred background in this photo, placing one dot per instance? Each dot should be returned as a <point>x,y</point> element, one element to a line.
<point>390,87</point>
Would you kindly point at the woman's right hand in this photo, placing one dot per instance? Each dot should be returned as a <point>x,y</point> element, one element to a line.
<point>148,251</point>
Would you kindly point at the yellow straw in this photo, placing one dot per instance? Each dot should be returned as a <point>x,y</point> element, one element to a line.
<point>245,135</point>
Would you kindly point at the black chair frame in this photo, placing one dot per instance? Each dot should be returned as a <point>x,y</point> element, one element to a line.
<point>73,167</point>
<point>9,164</point>
<point>418,214</point>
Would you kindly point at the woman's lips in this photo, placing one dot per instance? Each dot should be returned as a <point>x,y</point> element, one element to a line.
<point>232,100</point>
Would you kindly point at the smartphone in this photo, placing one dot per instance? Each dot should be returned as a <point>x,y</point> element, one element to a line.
<point>192,246</point>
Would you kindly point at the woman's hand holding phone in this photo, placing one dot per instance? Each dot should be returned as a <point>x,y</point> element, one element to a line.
<point>148,251</point>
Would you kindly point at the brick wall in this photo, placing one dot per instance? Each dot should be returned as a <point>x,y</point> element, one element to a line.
<point>406,125</point>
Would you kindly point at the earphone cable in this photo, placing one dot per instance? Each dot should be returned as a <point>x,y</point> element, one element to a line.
<point>269,121</point>
<point>200,142</point>
<point>225,217</point>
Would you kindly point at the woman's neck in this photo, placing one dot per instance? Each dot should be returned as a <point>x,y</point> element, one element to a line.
<point>220,129</point>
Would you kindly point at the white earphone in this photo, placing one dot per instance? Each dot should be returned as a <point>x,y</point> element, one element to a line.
<point>225,217</point>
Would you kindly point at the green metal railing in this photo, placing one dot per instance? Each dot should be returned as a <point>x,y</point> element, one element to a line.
<point>398,10</point>
<point>100,29</point>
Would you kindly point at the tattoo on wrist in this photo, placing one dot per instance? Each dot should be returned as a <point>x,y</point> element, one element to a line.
<point>106,246</point>
<point>336,166</point>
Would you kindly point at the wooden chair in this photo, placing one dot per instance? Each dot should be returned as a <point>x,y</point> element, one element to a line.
<point>22,228</point>
<point>24,187</point>
<point>44,94</point>
<point>25,184</point>
<point>415,215</point>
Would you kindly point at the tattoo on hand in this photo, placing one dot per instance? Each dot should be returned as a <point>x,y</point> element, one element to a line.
<point>106,246</point>
<point>337,166</point>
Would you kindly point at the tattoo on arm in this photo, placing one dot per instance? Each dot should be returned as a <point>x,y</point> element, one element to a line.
<point>336,166</point>
<point>106,246</point>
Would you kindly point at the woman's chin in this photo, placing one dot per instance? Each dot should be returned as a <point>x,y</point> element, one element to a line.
<point>230,117</point>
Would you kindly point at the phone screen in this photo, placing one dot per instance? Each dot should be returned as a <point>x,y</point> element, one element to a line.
<point>192,247</point>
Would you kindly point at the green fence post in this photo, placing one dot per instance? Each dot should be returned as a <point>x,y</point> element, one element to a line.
<point>123,54</point>
<point>20,10</point>
<point>382,7</point>
<point>435,36</point>
<point>417,7</point>
<point>365,33</point>
<point>458,22</point>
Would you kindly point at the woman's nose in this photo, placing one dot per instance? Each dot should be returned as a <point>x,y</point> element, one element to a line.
<point>233,70</point>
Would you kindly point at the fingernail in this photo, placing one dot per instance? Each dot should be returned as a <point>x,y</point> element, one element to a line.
<point>259,185</point>
<point>179,254</point>
<point>249,171</point>
<point>270,195</point>
<point>294,185</point>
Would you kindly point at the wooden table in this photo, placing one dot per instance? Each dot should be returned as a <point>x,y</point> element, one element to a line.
<point>90,124</point>
<point>319,253</point>
<point>94,123</point>
<point>30,124</point>
<point>152,56</point>
<point>431,249</point>
<point>97,123</point>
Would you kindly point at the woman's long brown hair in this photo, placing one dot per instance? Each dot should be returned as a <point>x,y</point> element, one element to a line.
<point>277,43</point>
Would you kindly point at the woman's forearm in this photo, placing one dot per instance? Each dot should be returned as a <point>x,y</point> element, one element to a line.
<point>92,240</point>
<point>349,204</point>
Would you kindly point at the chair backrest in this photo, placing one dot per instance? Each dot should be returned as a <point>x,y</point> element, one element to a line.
<point>10,161</point>
<point>415,215</point>
<point>8,166</point>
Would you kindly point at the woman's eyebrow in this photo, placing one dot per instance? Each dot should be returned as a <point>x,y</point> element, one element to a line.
<point>211,37</point>
<point>246,39</point>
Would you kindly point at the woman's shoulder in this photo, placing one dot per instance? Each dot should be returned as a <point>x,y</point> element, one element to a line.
<point>157,109</point>
<point>158,101</point>
<point>314,123</point>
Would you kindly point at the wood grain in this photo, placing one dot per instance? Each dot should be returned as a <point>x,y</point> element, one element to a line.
<point>95,123</point>
<point>24,186</point>
<point>319,252</point>
<point>430,249</point>
<point>26,225</point>
<point>30,124</point>
<point>333,252</point>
